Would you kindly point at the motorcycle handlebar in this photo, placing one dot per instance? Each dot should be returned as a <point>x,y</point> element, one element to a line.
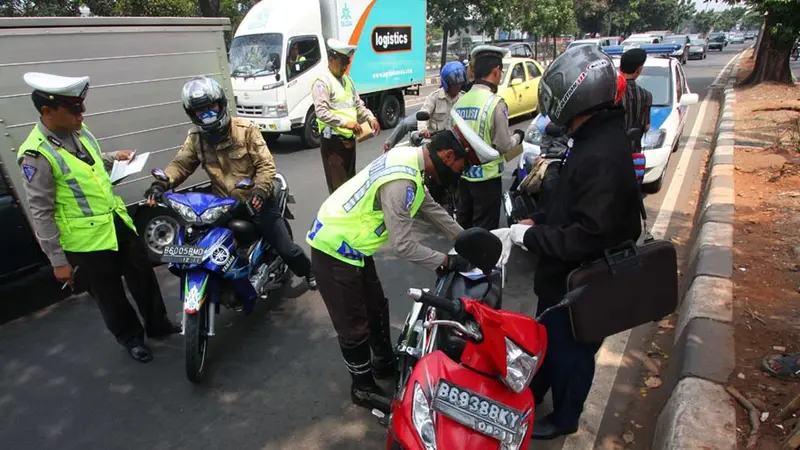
<point>454,307</point>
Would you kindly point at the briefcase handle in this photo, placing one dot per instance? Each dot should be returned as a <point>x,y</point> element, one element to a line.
<point>626,253</point>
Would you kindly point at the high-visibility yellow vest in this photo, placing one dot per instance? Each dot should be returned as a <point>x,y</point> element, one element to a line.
<point>342,104</point>
<point>85,202</point>
<point>477,107</point>
<point>347,227</point>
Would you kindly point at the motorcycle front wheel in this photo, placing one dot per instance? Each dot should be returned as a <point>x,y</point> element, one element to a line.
<point>195,346</point>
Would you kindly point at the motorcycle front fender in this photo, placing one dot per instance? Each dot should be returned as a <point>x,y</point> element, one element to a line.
<point>195,290</point>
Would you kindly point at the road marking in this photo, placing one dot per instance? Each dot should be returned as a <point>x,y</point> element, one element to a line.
<point>609,358</point>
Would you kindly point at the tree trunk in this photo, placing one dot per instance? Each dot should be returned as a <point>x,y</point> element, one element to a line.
<point>772,61</point>
<point>209,8</point>
<point>445,38</point>
<point>758,41</point>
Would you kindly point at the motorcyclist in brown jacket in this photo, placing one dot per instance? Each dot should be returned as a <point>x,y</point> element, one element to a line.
<point>231,149</point>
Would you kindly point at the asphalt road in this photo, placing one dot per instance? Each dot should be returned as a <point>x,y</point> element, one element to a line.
<point>276,379</point>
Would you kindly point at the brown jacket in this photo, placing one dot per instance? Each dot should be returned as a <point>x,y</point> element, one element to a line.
<point>244,154</point>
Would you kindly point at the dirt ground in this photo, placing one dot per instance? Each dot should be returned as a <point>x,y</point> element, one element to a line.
<point>766,250</point>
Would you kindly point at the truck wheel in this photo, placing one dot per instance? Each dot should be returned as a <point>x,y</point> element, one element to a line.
<point>157,227</point>
<point>389,112</point>
<point>311,130</point>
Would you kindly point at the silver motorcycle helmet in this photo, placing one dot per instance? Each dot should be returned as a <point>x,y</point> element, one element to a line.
<point>200,93</point>
<point>580,81</point>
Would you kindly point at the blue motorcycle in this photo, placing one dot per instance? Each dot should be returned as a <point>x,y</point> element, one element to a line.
<point>221,260</point>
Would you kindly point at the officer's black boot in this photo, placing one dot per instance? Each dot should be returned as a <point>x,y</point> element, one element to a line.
<point>357,360</point>
<point>384,360</point>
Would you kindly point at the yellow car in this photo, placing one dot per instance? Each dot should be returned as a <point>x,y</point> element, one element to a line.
<point>519,85</point>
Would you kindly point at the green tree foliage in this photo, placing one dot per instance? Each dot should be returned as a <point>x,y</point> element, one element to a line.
<point>42,8</point>
<point>705,21</point>
<point>544,17</point>
<point>156,8</point>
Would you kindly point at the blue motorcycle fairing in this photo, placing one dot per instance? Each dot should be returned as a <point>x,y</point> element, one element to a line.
<point>199,202</point>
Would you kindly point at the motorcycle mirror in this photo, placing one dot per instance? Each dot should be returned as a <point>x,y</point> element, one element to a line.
<point>160,175</point>
<point>568,300</point>
<point>553,130</point>
<point>423,116</point>
<point>245,184</point>
<point>480,247</point>
<point>635,134</point>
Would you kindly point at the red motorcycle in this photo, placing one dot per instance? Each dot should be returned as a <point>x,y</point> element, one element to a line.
<point>468,387</point>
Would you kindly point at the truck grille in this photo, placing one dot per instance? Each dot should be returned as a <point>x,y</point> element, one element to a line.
<point>250,110</point>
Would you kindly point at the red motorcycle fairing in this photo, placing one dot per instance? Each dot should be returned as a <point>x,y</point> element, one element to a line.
<point>449,433</point>
<point>489,356</point>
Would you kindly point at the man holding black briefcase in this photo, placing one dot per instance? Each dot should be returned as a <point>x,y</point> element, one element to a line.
<point>595,207</point>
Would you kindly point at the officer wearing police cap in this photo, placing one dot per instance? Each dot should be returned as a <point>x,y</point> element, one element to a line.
<point>481,189</point>
<point>82,227</point>
<point>339,111</point>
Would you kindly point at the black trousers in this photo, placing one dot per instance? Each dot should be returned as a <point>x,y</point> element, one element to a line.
<point>102,273</point>
<point>338,160</point>
<point>275,231</point>
<point>567,370</point>
<point>479,203</point>
<point>353,295</point>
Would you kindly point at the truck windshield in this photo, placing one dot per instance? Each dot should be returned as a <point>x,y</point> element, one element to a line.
<point>256,54</point>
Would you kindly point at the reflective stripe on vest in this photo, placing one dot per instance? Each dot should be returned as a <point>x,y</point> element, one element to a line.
<point>347,226</point>
<point>77,191</point>
<point>477,108</point>
<point>343,106</point>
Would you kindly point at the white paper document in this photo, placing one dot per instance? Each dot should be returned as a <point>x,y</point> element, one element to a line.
<point>122,169</point>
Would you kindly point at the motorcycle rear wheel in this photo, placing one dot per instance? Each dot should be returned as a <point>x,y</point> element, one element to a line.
<point>195,342</point>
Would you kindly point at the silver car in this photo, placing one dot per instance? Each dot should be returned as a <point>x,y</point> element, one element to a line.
<point>698,48</point>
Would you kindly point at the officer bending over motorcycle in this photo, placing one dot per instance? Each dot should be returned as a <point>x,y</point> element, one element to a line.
<point>378,205</point>
<point>231,149</point>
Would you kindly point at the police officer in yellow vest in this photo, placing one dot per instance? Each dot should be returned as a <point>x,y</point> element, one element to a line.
<point>481,188</point>
<point>82,227</point>
<point>379,205</point>
<point>340,111</point>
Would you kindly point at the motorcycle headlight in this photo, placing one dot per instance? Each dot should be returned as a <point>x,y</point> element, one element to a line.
<point>654,139</point>
<point>516,443</point>
<point>184,211</point>
<point>422,418</point>
<point>211,215</point>
<point>520,367</point>
<point>533,136</point>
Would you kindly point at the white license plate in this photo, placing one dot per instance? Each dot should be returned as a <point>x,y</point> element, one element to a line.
<point>182,254</point>
<point>476,411</point>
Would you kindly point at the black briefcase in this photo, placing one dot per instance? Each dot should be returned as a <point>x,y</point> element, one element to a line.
<point>631,285</point>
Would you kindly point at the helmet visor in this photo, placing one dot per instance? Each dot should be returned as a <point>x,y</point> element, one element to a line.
<point>456,77</point>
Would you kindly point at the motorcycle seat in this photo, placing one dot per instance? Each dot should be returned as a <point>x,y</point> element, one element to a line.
<point>244,232</point>
<point>490,294</point>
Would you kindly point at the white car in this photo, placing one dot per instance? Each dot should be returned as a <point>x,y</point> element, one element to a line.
<point>665,79</point>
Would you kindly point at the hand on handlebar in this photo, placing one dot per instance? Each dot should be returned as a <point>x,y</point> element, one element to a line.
<point>456,263</point>
<point>155,193</point>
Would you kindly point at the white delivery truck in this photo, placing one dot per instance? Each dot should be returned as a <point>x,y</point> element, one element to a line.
<point>279,50</point>
<point>137,68</point>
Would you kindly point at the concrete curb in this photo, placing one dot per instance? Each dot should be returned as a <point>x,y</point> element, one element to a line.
<point>699,412</point>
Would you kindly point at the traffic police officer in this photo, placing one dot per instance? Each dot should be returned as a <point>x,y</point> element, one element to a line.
<point>82,227</point>
<point>378,205</point>
<point>481,188</point>
<point>340,112</point>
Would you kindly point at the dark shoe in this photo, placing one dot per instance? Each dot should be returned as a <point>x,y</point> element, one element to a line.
<point>544,430</point>
<point>165,331</point>
<point>312,282</point>
<point>369,397</point>
<point>140,353</point>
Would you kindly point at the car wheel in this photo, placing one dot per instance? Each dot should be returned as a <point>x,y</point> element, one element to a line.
<point>654,187</point>
<point>157,227</point>
<point>311,130</point>
<point>389,115</point>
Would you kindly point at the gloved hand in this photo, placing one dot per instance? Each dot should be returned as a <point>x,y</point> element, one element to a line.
<point>518,234</point>
<point>519,133</point>
<point>155,193</point>
<point>455,263</point>
<point>256,199</point>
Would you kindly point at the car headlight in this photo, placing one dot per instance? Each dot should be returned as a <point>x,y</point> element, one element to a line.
<point>422,418</point>
<point>520,367</point>
<point>533,135</point>
<point>516,443</point>
<point>278,110</point>
<point>186,212</point>
<point>211,215</point>
<point>654,139</point>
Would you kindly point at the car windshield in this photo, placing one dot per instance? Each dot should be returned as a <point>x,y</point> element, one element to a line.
<point>657,81</point>
<point>698,42</point>
<point>256,54</point>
